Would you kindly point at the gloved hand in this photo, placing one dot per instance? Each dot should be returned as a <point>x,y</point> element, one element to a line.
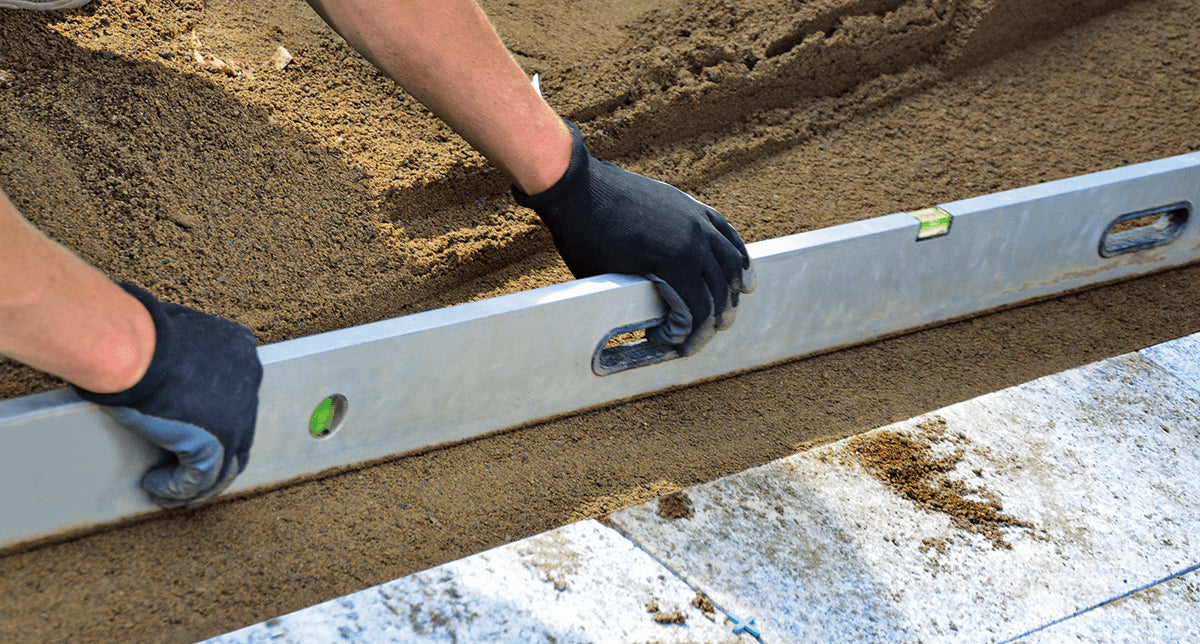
<point>607,220</point>
<point>198,401</point>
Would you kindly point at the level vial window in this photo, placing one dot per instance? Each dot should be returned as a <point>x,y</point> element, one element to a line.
<point>327,418</point>
<point>934,222</point>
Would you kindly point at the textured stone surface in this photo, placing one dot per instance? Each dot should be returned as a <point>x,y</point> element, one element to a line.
<point>580,583</point>
<point>1166,612</point>
<point>1180,358</point>
<point>1101,463</point>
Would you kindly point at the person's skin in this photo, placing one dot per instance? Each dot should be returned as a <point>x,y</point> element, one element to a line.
<point>59,315</point>
<point>446,54</point>
<point>62,316</point>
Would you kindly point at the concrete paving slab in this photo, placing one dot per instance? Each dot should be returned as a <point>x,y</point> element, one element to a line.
<point>1026,506</point>
<point>580,583</point>
<point>1180,358</point>
<point>1165,612</point>
<point>1064,509</point>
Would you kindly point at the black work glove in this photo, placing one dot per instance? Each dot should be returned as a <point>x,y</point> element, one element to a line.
<point>607,220</point>
<point>198,401</point>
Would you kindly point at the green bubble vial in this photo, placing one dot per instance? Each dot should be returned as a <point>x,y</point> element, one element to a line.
<point>320,424</point>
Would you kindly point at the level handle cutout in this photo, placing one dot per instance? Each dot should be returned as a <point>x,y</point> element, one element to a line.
<point>626,348</point>
<point>1145,229</point>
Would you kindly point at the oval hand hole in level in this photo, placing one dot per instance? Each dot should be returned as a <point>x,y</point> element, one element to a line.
<point>327,418</point>
<point>1144,229</point>
<point>626,348</point>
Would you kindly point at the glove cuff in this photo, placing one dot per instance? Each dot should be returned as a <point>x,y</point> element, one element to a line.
<point>160,363</point>
<point>572,181</point>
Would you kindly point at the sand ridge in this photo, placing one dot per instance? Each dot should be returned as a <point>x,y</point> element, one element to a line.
<point>321,196</point>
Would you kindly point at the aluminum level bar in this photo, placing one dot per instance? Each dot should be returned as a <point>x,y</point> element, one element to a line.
<point>456,373</point>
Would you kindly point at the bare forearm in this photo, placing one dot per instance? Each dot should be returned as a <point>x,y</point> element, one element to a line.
<point>446,54</point>
<point>59,315</point>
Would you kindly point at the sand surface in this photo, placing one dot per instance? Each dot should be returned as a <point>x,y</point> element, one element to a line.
<point>321,196</point>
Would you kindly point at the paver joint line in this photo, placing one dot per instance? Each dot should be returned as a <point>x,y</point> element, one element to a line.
<point>739,627</point>
<point>1088,609</point>
<point>1176,377</point>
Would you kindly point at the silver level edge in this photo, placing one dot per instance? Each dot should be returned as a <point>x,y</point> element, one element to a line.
<point>452,374</point>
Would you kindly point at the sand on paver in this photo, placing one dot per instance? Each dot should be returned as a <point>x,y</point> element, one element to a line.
<point>320,196</point>
<point>909,465</point>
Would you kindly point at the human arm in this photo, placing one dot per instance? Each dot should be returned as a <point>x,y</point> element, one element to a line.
<point>61,316</point>
<point>603,219</point>
<point>185,381</point>
<point>446,54</point>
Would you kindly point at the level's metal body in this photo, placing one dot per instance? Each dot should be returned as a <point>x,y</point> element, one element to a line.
<point>456,373</point>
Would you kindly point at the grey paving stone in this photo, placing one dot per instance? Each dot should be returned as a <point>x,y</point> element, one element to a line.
<point>1100,466</point>
<point>1180,358</point>
<point>580,583</point>
<point>1167,612</point>
<point>1097,469</point>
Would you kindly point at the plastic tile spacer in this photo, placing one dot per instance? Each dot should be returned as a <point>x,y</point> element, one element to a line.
<point>747,627</point>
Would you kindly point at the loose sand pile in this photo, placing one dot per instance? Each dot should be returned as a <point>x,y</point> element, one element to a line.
<point>321,196</point>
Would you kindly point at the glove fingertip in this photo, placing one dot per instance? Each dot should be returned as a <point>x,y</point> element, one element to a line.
<point>698,338</point>
<point>678,323</point>
<point>177,484</point>
<point>728,314</point>
<point>666,333</point>
<point>749,279</point>
<point>231,472</point>
<point>242,458</point>
<point>163,486</point>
